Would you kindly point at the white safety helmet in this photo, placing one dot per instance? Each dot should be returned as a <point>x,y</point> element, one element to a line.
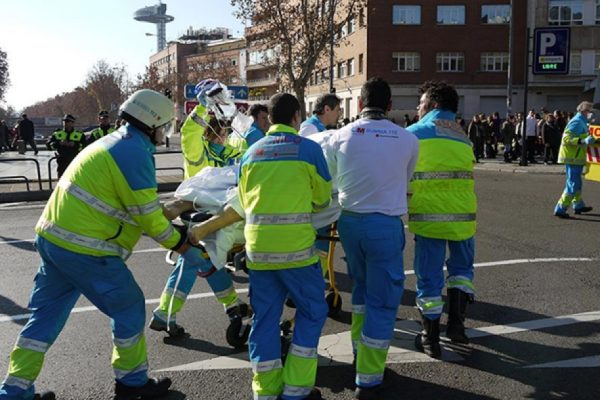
<point>150,108</point>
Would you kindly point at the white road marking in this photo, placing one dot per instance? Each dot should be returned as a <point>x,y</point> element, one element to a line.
<point>333,350</point>
<point>535,324</point>
<point>10,318</point>
<point>337,349</point>
<point>583,362</point>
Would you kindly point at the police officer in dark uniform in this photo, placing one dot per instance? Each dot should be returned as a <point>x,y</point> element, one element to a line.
<point>104,129</point>
<point>66,143</point>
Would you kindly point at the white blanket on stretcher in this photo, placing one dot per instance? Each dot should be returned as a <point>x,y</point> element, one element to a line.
<point>213,187</point>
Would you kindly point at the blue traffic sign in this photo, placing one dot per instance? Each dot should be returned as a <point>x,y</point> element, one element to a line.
<point>190,91</point>
<point>239,92</point>
<point>551,51</point>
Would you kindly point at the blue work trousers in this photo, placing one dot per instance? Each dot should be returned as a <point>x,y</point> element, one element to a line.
<point>268,291</point>
<point>374,245</point>
<point>105,281</point>
<point>572,193</point>
<point>430,257</point>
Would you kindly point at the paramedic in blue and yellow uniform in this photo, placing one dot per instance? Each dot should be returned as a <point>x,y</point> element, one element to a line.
<point>442,214</point>
<point>283,179</point>
<point>103,203</point>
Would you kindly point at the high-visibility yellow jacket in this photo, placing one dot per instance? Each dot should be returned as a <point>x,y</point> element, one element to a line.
<point>572,150</point>
<point>197,151</point>
<point>443,204</point>
<point>283,179</point>
<point>107,198</point>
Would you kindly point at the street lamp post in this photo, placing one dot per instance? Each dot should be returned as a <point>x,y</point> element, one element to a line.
<point>331,45</point>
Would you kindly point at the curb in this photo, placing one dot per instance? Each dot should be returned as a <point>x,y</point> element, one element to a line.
<point>518,170</point>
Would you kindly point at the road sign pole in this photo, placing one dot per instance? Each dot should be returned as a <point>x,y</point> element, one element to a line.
<point>523,161</point>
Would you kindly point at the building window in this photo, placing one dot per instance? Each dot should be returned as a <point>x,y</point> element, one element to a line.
<point>406,62</point>
<point>575,63</point>
<point>233,62</point>
<point>360,63</point>
<point>361,17</point>
<point>450,62</point>
<point>351,25</point>
<point>495,14</point>
<point>565,12</point>
<point>350,67</point>
<point>341,70</point>
<point>451,15</point>
<point>406,15</point>
<point>597,61</point>
<point>494,62</point>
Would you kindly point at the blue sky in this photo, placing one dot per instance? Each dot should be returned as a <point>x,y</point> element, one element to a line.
<point>52,45</point>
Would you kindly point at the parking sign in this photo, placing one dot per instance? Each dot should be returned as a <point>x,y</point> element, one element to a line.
<point>551,51</point>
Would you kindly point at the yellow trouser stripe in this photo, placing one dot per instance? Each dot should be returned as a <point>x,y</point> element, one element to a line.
<point>25,363</point>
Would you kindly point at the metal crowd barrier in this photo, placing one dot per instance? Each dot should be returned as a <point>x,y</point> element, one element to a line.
<point>37,166</point>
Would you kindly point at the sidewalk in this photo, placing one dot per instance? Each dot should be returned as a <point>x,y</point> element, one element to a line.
<point>498,165</point>
<point>14,189</point>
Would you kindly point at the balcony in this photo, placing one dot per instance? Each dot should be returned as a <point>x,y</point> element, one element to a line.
<point>257,82</point>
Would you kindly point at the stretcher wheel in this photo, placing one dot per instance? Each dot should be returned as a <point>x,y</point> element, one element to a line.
<point>334,302</point>
<point>237,335</point>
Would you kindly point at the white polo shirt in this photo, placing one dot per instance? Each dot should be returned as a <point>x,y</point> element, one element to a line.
<point>374,161</point>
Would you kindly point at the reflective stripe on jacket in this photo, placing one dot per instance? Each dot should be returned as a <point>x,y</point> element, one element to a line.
<point>283,179</point>
<point>572,151</point>
<point>107,198</point>
<point>443,203</point>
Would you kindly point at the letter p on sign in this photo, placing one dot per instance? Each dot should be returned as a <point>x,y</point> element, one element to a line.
<point>547,40</point>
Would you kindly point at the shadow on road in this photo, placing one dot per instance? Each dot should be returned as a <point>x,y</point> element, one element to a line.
<point>9,307</point>
<point>18,243</point>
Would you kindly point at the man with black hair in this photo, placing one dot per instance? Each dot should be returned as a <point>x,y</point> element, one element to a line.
<point>260,124</point>
<point>441,212</point>
<point>283,179</point>
<point>101,206</point>
<point>325,115</point>
<point>374,159</point>
<point>26,131</point>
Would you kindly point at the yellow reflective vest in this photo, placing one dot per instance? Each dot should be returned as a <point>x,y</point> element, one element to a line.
<point>107,198</point>
<point>442,204</point>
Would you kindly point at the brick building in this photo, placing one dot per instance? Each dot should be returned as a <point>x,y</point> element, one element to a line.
<point>407,43</point>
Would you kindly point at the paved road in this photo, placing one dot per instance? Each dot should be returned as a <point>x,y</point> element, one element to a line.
<point>536,323</point>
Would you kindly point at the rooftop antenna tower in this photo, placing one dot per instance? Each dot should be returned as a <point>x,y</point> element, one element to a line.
<point>156,15</point>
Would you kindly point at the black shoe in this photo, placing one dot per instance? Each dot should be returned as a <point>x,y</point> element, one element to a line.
<point>370,393</point>
<point>457,308</point>
<point>173,329</point>
<point>152,389</point>
<point>583,210</point>
<point>562,215</point>
<point>428,341</point>
<point>44,396</point>
<point>315,394</point>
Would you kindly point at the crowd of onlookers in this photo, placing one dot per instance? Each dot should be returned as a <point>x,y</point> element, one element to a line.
<point>542,131</point>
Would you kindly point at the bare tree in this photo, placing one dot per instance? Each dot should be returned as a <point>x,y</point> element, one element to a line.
<point>298,31</point>
<point>151,79</point>
<point>107,85</point>
<point>4,78</point>
<point>213,65</point>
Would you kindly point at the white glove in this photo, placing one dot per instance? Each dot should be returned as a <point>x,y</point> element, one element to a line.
<point>589,140</point>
